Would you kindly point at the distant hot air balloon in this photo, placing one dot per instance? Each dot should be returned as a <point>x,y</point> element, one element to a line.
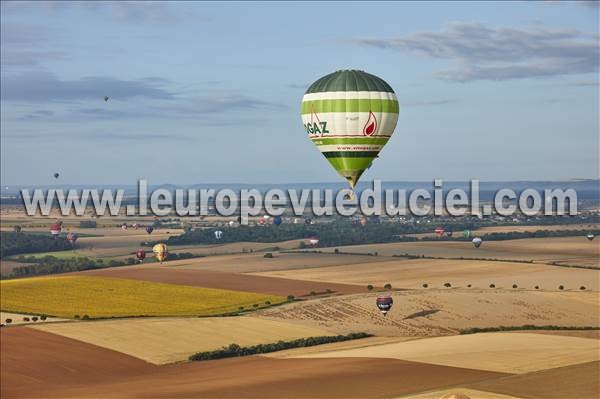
<point>467,233</point>
<point>590,236</point>
<point>149,229</point>
<point>313,241</point>
<point>56,228</point>
<point>218,234</point>
<point>261,220</point>
<point>449,233</point>
<point>106,98</point>
<point>350,115</point>
<point>277,220</point>
<point>135,226</point>
<point>363,221</point>
<point>477,242</point>
<point>384,303</point>
<point>161,252</point>
<point>56,175</point>
<point>72,237</point>
<point>17,229</point>
<point>308,221</point>
<point>140,254</point>
<point>231,223</point>
<point>124,226</point>
<point>439,231</point>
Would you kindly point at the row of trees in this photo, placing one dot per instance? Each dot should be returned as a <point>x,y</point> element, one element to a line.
<point>234,350</point>
<point>13,243</point>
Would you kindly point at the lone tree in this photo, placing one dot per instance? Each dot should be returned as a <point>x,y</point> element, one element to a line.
<point>370,287</point>
<point>447,285</point>
<point>582,288</point>
<point>387,286</point>
<point>25,318</point>
<point>468,285</point>
<point>537,287</point>
<point>291,297</point>
<point>515,286</point>
<point>492,285</point>
<point>255,305</point>
<point>34,318</point>
<point>8,321</point>
<point>312,293</point>
<point>268,255</point>
<point>425,285</point>
<point>267,302</point>
<point>43,317</point>
<point>561,287</point>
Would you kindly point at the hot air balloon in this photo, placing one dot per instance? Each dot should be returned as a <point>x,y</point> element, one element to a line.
<point>149,229</point>
<point>590,236</point>
<point>140,254</point>
<point>313,241</point>
<point>477,242</point>
<point>17,229</point>
<point>467,233</point>
<point>439,231</point>
<point>135,226</point>
<point>363,221</point>
<point>72,237</point>
<point>261,220</point>
<point>277,220</point>
<point>218,234</point>
<point>56,228</point>
<point>161,252</point>
<point>308,221</point>
<point>56,175</point>
<point>449,233</point>
<point>384,303</point>
<point>106,98</point>
<point>124,226</point>
<point>350,115</point>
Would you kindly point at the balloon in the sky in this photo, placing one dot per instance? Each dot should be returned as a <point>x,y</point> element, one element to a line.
<point>313,241</point>
<point>140,254</point>
<point>449,233</point>
<point>56,228</point>
<point>72,237</point>
<point>477,242</point>
<point>17,229</point>
<point>56,175</point>
<point>124,226</point>
<point>261,220</point>
<point>467,233</point>
<point>350,115</point>
<point>277,220</point>
<point>218,234</point>
<point>161,252</point>
<point>149,229</point>
<point>106,98</point>
<point>384,303</point>
<point>439,231</point>
<point>590,236</point>
<point>231,223</point>
<point>135,226</point>
<point>363,221</point>
<point>308,221</point>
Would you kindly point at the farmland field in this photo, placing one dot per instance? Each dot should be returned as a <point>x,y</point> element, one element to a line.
<point>96,297</point>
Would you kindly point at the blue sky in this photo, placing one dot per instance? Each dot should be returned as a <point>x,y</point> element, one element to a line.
<point>207,92</point>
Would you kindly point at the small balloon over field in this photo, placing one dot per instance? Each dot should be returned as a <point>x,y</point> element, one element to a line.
<point>140,255</point>
<point>313,241</point>
<point>56,175</point>
<point>477,242</point>
<point>56,228</point>
<point>439,231</point>
<point>218,234</point>
<point>590,236</point>
<point>124,226</point>
<point>161,252</point>
<point>72,238</point>
<point>149,229</point>
<point>384,303</point>
<point>467,233</point>
<point>277,220</point>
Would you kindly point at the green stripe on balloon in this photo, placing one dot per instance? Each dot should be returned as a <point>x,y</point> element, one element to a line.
<point>359,140</point>
<point>349,80</point>
<point>356,105</point>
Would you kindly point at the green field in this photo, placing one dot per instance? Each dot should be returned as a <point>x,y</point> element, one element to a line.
<point>100,297</point>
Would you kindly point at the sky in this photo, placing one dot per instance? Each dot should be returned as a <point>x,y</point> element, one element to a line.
<point>205,92</point>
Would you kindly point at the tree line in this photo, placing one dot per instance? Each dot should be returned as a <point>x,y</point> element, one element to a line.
<point>13,243</point>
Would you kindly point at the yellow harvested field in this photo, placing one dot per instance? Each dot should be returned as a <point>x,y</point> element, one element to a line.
<point>413,273</point>
<point>168,340</point>
<point>96,297</point>
<point>500,352</point>
<point>435,312</point>
<point>567,250</point>
<point>469,393</point>
<point>17,318</point>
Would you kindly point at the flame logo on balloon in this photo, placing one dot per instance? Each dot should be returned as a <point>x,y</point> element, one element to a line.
<point>371,125</point>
